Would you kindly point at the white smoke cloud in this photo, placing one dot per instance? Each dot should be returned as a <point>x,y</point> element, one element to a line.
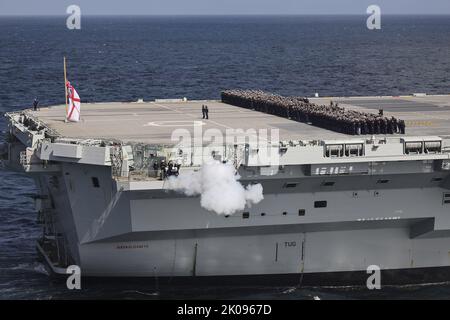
<point>218,187</point>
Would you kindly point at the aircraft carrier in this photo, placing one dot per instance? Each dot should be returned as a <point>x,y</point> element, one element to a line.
<point>336,203</point>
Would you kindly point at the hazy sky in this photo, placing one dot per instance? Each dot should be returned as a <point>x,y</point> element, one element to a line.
<point>157,7</point>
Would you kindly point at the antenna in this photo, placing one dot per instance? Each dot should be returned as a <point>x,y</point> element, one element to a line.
<point>65,83</point>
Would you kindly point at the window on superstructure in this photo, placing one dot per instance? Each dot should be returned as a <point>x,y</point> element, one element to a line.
<point>301,212</point>
<point>333,151</point>
<point>413,147</point>
<point>433,146</point>
<point>95,182</point>
<point>246,215</point>
<point>446,198</point>
<point>320,204</point>
<point>354,150</point>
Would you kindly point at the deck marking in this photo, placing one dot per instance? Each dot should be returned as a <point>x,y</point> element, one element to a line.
<point>209,120</point>
<point>174,123</point>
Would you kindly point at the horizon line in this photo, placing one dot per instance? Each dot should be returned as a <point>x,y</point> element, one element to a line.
<point>216,14</point>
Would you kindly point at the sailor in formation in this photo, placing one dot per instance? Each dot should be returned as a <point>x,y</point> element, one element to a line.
<point>330,117</point>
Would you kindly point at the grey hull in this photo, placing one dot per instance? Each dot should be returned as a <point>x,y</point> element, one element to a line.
<point>327,210</point>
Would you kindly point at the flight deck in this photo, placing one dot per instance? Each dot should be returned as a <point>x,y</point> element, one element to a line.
<point>154,122</point>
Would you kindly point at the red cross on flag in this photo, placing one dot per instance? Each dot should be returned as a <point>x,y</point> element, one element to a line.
<point>73,111</point>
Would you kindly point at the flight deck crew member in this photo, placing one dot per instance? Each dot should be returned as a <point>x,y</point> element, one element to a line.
<point>401,126</point>
<point>390,127</point>
<point>394,125</point>
<point>177,166</point>
<point>353,126</point>
<point>384,126</point>
<point>169,168</point>
<point>155,168</point>
<point>377,125</point>
<point>206,112</point>
<point>203,112</point>
<point>163,168</point>
<point>35,104</point>
<point>366,125</point>
<point>358,127</point>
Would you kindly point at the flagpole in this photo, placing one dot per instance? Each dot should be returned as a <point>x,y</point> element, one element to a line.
<point>65,82</point>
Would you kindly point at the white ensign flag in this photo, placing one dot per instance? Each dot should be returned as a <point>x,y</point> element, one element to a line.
<point>74,109</point>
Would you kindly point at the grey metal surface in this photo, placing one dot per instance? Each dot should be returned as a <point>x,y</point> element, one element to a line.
<point>396,105</point>
<point>402,223</point>
<point>154,122</point>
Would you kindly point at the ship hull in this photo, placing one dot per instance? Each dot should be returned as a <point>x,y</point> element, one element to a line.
<point>331,209</point>
<point>164,235</point>
<point>406,276</point>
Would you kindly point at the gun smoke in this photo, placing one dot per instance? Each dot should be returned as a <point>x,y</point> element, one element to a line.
<point>218,187</point>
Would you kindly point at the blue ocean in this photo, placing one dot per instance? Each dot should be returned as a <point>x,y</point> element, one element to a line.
<point>128,58</point>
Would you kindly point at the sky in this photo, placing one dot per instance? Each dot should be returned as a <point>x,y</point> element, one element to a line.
<point>221,7</point>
